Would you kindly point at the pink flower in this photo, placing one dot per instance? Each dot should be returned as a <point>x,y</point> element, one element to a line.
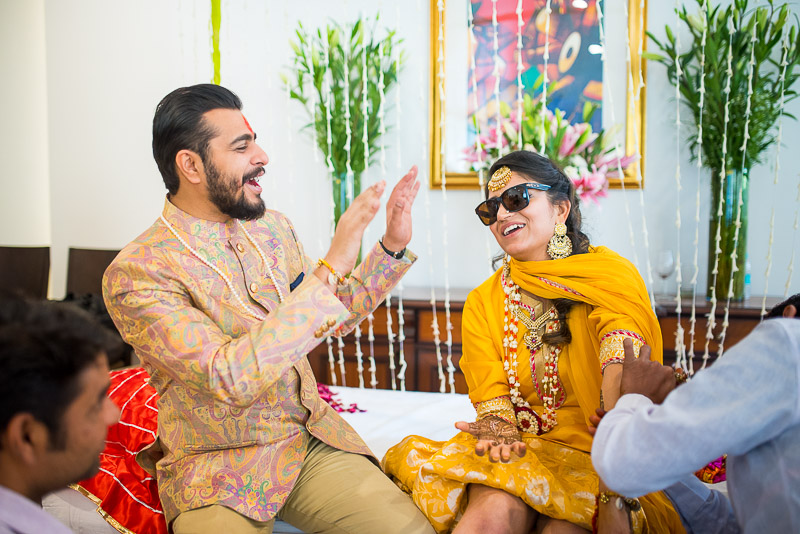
<point>611,161</point>
<point>592,185</point>
<point>586,144</point>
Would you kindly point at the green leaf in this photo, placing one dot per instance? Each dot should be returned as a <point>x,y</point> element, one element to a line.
<point>646,54</point>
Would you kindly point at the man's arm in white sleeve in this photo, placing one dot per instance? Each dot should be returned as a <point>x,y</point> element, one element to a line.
<point>745,399</point>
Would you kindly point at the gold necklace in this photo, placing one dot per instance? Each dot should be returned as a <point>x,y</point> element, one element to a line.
<point>532,338</point>
<point>550,392</point>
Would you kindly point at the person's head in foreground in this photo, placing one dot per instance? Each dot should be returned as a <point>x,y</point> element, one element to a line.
<point>531,208</point>
<point>54,408</point>
<point>787,308</point>
<point>207,155</point>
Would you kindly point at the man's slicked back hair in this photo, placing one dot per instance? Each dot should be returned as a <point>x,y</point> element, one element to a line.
<point>178,125</point>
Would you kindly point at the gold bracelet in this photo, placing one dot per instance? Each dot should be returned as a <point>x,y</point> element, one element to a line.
<point>322,263</point>
<point>680,376</point>
<point>606,496</point>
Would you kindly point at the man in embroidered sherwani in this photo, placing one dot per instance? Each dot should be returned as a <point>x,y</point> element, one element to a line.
<point>222,306</point>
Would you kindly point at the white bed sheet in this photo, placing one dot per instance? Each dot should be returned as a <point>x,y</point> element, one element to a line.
<point>389,417</point>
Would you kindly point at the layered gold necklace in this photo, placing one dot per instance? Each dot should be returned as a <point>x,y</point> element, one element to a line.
<point>550,391</point>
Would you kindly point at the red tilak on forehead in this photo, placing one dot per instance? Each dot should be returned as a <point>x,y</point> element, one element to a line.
<point>247,123</point>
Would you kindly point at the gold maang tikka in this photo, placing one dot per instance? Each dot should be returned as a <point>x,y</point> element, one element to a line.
<point>499,179</point>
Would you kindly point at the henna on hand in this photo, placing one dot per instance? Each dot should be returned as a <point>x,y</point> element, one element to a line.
<point>496,430</point>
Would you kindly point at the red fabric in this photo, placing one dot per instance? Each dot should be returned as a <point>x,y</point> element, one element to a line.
<point>123,490</point>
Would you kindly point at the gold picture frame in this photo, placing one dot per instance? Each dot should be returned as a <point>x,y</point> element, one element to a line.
<point>634,123</point>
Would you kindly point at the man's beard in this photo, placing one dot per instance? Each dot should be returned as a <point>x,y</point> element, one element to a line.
<point>229,199</point>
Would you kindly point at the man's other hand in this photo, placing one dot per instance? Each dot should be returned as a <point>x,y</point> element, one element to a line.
<point>398,212</point>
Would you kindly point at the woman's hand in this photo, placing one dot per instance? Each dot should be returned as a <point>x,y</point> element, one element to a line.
<point>496,436</point>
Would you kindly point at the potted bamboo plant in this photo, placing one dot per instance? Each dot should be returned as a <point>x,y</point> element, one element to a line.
<point>348,67</point>
<point>735,112</point>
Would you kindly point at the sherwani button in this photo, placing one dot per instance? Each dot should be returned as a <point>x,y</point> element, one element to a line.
<point>239,247</point>
<point>253,287</point>
<point>331,322</point>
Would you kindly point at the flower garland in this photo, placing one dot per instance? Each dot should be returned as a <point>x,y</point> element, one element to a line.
<point>551,392</point>
<point>714,472</point>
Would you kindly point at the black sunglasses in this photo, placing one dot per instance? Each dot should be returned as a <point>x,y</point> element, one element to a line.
<point>514,199</point>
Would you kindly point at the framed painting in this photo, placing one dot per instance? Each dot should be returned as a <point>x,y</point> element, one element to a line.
<point>463,91</point>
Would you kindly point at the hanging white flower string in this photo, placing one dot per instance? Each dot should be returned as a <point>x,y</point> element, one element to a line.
<point>373,380</point>
<point>381,107</point>
<point>348,131</point>
<point>698,167</point>
<point>312,94</point>
<point>397,107</point>
<point>327,94</point>
<point>382,130</point>
<point>401,337</point>
<point>401,334</point>
<point>740,198</point>
<point>712,314</point>
<point>289,129</point>
<point>496,75</point>
<point>633,95</point>
<point>442,158</point>
<point>617,147</point>
<point>476,119</point>
<point>520,86</point>
<point>435,319</point>
<point>790,268</point>
<point>365,142</point>
<point>777,166</point>
<point>680,349</point>
<point>545,78</point>
<point>359,357</point>
<point>350,193</point>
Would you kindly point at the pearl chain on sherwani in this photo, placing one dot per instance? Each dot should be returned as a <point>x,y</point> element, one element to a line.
<point>225,277</point>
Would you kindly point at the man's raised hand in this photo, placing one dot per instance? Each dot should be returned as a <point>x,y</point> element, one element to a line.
<point>398,212</point>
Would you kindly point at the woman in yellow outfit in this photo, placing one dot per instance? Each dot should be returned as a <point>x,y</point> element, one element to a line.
<point>542,350</point>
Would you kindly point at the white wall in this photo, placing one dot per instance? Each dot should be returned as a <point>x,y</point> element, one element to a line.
<point>110,62</point>
<point>24,191</point>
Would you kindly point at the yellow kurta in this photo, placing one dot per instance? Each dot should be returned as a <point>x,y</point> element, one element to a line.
<point>555,477</point>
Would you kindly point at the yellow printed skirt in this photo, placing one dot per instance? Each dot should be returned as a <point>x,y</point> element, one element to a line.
<point>555,480</point>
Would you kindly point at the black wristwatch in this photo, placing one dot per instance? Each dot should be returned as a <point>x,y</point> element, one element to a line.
<point>395,255</point>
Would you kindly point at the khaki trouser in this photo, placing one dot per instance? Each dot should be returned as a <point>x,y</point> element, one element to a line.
<point>337,492</point>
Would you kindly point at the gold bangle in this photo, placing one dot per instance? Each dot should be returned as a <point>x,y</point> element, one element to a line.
<point>680,376</point>
<point>606,496</point>
<point>322,263</point>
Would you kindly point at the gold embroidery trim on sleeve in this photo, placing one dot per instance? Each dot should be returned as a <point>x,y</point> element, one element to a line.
<point>611,349</point>
<point>498,406</point>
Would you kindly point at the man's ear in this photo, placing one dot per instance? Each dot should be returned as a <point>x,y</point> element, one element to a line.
<point>190,165</point>
<point>790,311</point>
<point>25,437</point>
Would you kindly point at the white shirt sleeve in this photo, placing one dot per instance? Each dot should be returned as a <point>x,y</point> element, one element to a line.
<point>746,398</point>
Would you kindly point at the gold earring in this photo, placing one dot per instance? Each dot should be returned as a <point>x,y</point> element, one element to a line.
<point>560,246</point>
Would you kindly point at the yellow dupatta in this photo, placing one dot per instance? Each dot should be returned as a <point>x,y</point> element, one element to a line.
<point>602,279</point>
